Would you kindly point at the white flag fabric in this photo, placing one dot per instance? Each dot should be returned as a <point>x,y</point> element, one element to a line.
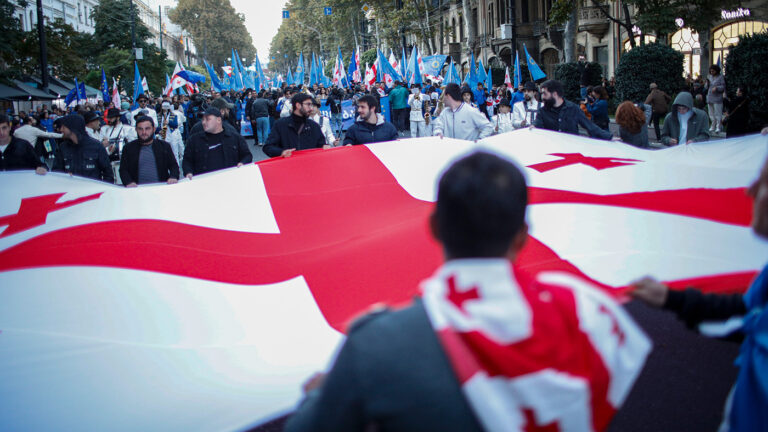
<point>204,305</point>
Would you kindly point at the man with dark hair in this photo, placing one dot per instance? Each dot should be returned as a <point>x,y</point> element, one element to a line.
<point>398,100</point>
<point>465,356</point>
<point>560,115</point>
<point>370,126</point>
<point>16,153</point>
<point>296,132</point>
<point>148,159</point>
<point>459,119</point>
<point>259,115</point>
<point>143,109</point>
<point>214,149</point>
<point>79,154</point>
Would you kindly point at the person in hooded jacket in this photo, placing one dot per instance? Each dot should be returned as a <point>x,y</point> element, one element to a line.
<point>685,124</point>
<point>370,126</point>
<point>79,154</point>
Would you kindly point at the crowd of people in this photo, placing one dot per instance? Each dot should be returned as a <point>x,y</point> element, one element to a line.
<point>202,132</point>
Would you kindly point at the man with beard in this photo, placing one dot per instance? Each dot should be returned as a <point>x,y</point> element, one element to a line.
<point>524,112</point>
<point>148,159</point>
<point>296,132</point>
<point>561,115</point>
<point>115,134</point>
<point>370,126</point>
<point>143,108</point>
<point>214,149</point>
<point>79,154</point>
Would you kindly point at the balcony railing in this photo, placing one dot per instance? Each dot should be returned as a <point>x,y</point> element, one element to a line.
<point>593,20</point>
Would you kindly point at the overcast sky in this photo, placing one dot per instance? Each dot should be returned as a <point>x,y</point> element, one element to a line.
<point>262,19</point>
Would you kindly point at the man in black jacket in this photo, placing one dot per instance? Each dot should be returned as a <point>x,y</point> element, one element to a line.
<point>81,155</point>
<point>259,115</point>
<point>225,109</point>
<point>15,153</point>
<point>370,126</point>
<point>561,115</point>
<point>296,132</point>
<point>147,159</point>
<point>215,149</point>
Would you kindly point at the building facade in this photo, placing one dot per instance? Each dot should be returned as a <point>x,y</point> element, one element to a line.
<point>599,39</point>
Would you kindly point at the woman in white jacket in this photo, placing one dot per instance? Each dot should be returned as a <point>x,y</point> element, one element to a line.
<point>416,102</point>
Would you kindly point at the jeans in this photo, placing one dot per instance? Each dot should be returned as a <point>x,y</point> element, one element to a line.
<point>336,123</point>
<point>262,129</point>
<point>655,117</point>
<point>400,115</point>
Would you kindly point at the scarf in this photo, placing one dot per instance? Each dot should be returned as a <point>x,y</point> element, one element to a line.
<point>545,352</point>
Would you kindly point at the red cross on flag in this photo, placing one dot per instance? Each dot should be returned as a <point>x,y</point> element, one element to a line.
<point>210,297</point>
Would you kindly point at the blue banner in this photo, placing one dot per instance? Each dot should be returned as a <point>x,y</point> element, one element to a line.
<point>432,65</point>
<point>348,113</point>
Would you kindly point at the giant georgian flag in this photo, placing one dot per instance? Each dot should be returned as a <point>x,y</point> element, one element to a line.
<point>204,305</point>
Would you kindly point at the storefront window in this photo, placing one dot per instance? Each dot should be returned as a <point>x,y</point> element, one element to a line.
<point>728,35</point>
<point>686,41</point>
<point>648,39</point>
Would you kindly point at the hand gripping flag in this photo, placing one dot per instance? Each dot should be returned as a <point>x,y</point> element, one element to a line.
<point>533,68</point>
<point>104,87</point>
<point>123,299</point>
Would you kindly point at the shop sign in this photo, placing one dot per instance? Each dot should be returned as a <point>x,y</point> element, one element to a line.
<point>733,14</point>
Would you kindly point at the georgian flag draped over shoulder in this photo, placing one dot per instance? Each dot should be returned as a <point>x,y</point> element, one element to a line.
<point>202,306</point>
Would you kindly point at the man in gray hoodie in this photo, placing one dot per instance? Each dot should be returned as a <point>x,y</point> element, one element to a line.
<point>685,124</point>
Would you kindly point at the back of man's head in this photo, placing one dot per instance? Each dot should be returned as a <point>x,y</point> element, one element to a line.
<point>554,86</point>
<point>454,91</point>
<point>481,202</point>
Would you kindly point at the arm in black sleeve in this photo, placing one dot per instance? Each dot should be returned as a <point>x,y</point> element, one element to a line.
<point>272,147</point>
<point>188,163</point>
<point>31,159</point>
<point>244,155</point>
<point>593,130</point>
<point>105,166</point>
<point>337,405</point>
<point>693,307</point>
<point>58,159</point>
<point>173,166</point>
<point>319,138</point>
<point>350,137</point>
<point>125,175</point>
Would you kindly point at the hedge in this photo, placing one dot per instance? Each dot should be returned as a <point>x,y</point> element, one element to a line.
<point>569,75</point>
<point>646,64</point>
<point>745,68</point>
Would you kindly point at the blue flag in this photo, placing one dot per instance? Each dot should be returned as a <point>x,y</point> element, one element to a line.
<point>416,75</point>
<point>517,76</point>
<point>388,74</point>
<point>105,87</point>
<point>352,68</point>
<point>138,89</point>
<point>489,80</point>
<point>432,65</point>
<point>313,75</point>
<point>73,95</point>
<point>452,75</point>
<point>481,75</point>
<point>298,78</point>
<point>215,82</point>
<point>289,77</point>
<point>533,68</point>
<point>471,78</point>
<point>403,65</point>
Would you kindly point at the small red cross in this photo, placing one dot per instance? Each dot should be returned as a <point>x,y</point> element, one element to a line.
<point>598,163</point>
<point>34,211</point>
<point>615,329</point>
<point>458,298</point>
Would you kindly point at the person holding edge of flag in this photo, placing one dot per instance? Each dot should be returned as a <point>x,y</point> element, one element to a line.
<point>486,347</point>
<point>459,119</point>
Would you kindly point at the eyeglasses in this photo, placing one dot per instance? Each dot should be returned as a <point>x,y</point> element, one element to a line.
<point>308,103</point>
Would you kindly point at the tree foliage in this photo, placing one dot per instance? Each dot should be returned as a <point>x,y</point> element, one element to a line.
<point>650,63</point>
<point>743,71</point>
<point>569,75</point>
<point>65,51</point>
<point>215,27</point>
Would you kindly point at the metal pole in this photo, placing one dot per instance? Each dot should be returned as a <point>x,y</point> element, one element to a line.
<point>160,17</point>
<point>43,46</point>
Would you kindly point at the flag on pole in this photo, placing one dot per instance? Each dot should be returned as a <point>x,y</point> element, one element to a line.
<point>104,87</point>
<point>533,68</point>
<point>353,71</point>
<point>138,88</point>
<point>393,59</point>
<point>518,77</point>
<point>416,75</point>
<point>339,76</point>
<point>313,72</point>
<point>216,84</point>
<point>507,79</point>
<point>488,80</point>
<point>481,75</point>
<point>370,76</point>
<point>115,95</point>
<point>471,78</point>
<point>144,84</point>
<point>403,64</point>
<point>289,77</point>
<point>414,68</point>
<point>298,77</point>
<point>388,73</point>
<point>432,65</point>
<point>452,75</point>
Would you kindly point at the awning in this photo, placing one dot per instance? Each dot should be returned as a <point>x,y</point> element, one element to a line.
<point>33,93</point>
<point>11,93</point>
<point>89,91</point>
<point>54,87</point>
